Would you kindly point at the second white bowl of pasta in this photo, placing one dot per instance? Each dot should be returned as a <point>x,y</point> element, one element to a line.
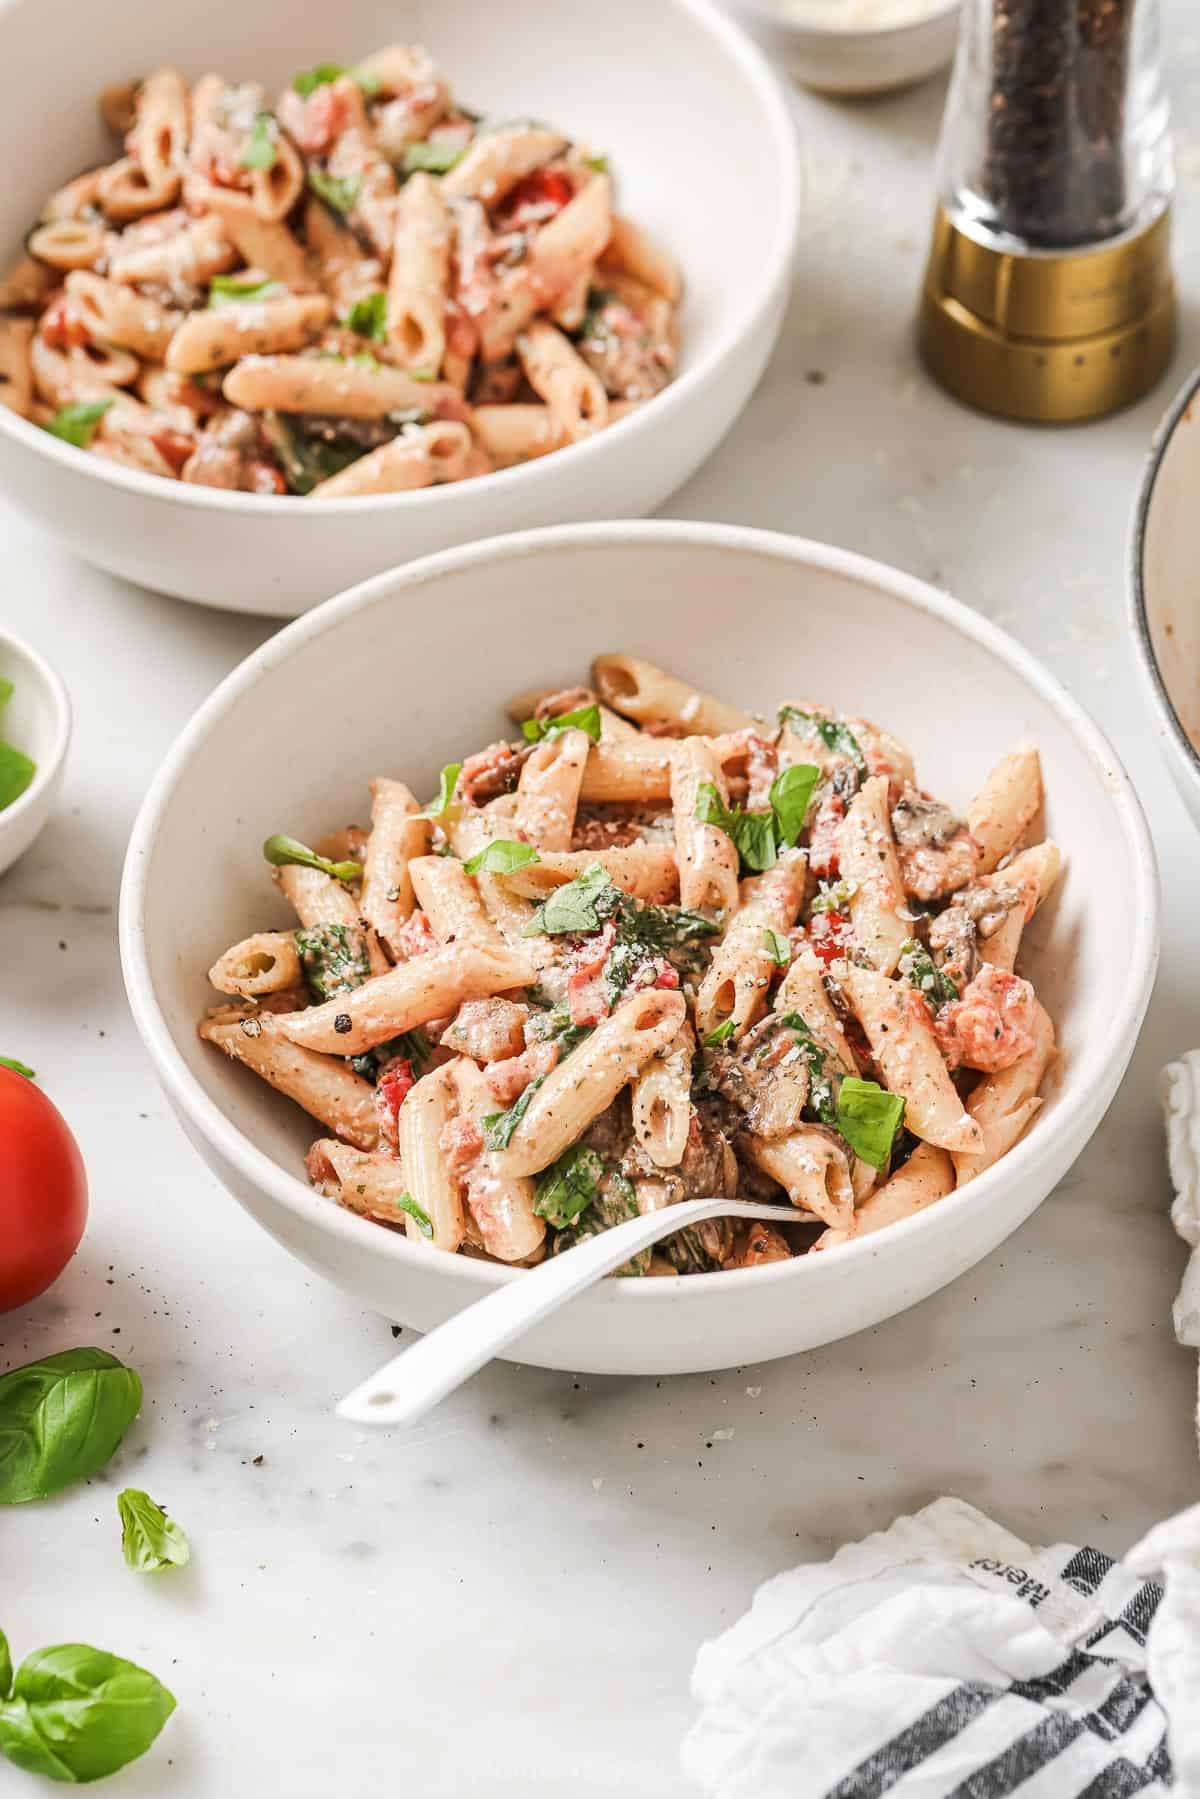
<point>721,904</point>
<point>282,322</point>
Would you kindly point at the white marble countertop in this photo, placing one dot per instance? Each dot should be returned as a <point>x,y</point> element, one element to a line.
<point>509,1599</point>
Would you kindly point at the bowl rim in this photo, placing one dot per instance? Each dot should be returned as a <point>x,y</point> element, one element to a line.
<point>260,1171</point>
<point>1160,443</point>
<point>55,701</point>
<point>828,36</point>
<point>770,274</point>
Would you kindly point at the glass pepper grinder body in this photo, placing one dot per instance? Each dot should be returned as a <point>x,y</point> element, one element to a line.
<point>1049,292</point>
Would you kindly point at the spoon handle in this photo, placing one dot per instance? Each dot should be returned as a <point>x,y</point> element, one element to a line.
<point>414,1381</point>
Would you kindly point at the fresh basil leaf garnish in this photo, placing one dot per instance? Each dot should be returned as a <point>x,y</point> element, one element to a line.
<point>868,1117</point>
<point>310,80</point>
<point>338,191</point>
<point>77,1714</point>
<point>501,857</point>
<point>791,791</point>
<point>368,316</point>
<point>62,1419</point>
<point>918,966</point>
<point>150,1541</point>
<point>498,1127</point>
<point>778,947</point>
<point>408,1204</point>
<point>283,852</point>
<point>752,832</point>
<point>721,1034</point>
<point>577,908</point>
<point>568,1186</point>
<point>260,150</point>
<point>584,718</point>
<point>834,733</point>
<point>432,158</point>
<point>334,959</point>
<point>230,290</point>
<point>77,423</point>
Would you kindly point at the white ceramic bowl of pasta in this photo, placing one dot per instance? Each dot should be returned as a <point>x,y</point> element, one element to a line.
<point>1164,546</point>
<point>754,616</point>
<point>706,158</point>
<point>37,721</point>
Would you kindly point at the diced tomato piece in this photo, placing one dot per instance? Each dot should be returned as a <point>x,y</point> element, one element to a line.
<point>415,937</point>
<point>62,326</point>
<point>668,977</point>
<point>587,998</point>
<point>537,198</point>
<point>264,476</point>
<point>830,936</point>
<point>460,1143</point>
<point>394,1084</point>
<point>173,446</point>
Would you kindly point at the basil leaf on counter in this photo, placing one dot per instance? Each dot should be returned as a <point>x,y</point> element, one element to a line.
<point>498,1127</point>
<point>76,1714</point>
<point>76,424</point>
<point>61,1419</point>
<point>408,1204</point>
<point>501,857</point>
<point>368,316</point>
<point>283,852</point>
<point>434,159</point>
<point>447,782</point>
<point>584,718</point>
<point>150,1541</point>
<point>568,1186</point>
<point>868,1117</point>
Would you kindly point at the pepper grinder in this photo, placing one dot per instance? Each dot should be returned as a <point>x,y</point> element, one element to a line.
<point>1049,295</point>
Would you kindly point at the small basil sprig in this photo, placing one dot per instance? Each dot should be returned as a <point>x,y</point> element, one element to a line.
<point>918,966</point>
<point>447,782</point>
<point>498,1127</point>
<point>501,857</point>
<point>309,80</point>
<point>61,1419</point>
<point>760,836</point>
<point>150,1541</point>
<point>834,733</point>
<point>576,908</point>
<point>77,423</point>
<point>778,947</point>
<point>406,1203</point>
<point>721,1033</point>
<point>76,1714</point>
<point>285,852</point>
<point>584,718</point>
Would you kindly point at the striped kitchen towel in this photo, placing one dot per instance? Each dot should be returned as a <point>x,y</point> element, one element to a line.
<point>944,1657</point>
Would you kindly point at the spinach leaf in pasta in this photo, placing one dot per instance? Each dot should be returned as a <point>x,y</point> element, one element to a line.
<point>577,908</point>
<point>77,423</point>
<point>420,1216</point>
<point>339,192</point>
<point>584,718</point>
<point>260,150</point>
<point>918,966</point>
<point>501,857</point>
<point>334,959</point>
<point>568,1186</point>
<point>433,158</point>
<point>834,733</point>
<point>368,316</point>
<point>498,1127</point>
<point>868,1118</point>
<point>283,851</point>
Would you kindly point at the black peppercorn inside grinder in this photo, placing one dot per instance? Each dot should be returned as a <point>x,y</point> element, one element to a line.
<point>1049,294</point>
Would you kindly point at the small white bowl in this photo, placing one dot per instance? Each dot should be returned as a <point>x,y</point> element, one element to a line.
<point>843,60</point>
<point>37,719</point>
<point>703,152</point>
<point>424,658</point>
<point>1164,555</point>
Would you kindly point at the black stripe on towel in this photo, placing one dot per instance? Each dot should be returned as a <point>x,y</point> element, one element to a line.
<point>1085,1570</point>
<point>923,1738</point>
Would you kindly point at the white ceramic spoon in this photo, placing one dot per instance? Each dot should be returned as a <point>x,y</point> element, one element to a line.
<point>413,1382</point>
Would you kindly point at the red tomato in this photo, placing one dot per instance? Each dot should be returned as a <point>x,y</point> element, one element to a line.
<point>537,198</point>
<point>264,477</point>
<point>43,1192</point>
<point>830,935</point>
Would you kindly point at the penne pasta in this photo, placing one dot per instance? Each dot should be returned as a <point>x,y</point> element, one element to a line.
<point>900,1032</point>
<point>308,384</point>
<point>1004,1105</point>
<point>116,315</point>
<point>495,163</point>
<point>870,868</point>
<point>502,1205</point>
<point>16,365</point>
<point>324,1086</point>
<point>744,964</point>
<point>213,340</point>
<point>421,457</point>
<point>556,372</point>
<point>706,856</point>
<point>1030,877</point>
<point>548,791</point>
<point>268,962</point>
<point>926,1177</point>
<point>371,1184</point>
<point>651,697</point>
<point>580,1088</point>
<point>646,870</point>
<point>634,251</point>
<point>418,285</point>
<point>429,986</point>
<point>398,836</point>
<point>451,902</point>
<point>662,1101</point>
<point>812,1167</point>
<point>1005,806</point>
<point>420,1125</point>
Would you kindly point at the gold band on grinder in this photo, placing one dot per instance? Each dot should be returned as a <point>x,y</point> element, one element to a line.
<point>1048,338</point>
